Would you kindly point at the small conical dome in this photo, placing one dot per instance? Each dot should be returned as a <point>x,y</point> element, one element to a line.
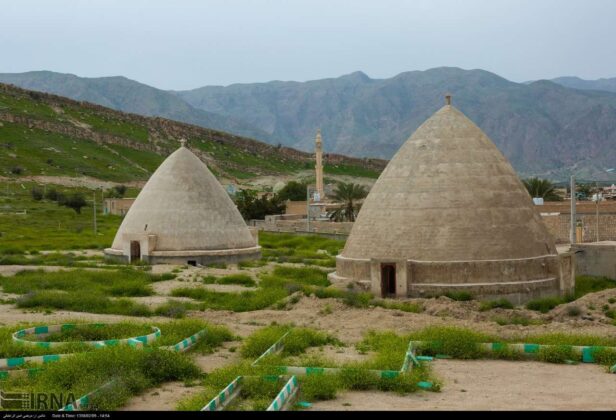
<point>448,195</point>
<point>186,208</point>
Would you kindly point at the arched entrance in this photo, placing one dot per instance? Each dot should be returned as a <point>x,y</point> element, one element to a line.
<point>135,251</point>
<point>388,280</point>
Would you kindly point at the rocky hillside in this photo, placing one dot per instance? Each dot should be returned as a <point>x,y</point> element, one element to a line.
<point>44,134</point>
<point>543,128</point>
<point>608,85</point>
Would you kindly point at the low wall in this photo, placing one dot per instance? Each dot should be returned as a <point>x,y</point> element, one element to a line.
<point>597,259</point>
<point>301,226</point>
<point>558,224</point>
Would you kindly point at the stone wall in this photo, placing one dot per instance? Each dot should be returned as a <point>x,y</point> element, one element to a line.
<point>301,226</point>
<point>559,226</point>
<point>597,259</point>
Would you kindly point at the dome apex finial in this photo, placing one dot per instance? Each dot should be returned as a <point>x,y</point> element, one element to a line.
<point>448,99</point>
<point>183,142</point>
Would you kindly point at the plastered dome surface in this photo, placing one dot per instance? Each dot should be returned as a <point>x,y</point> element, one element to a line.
<point>184,214</point>
<point>449,212</point>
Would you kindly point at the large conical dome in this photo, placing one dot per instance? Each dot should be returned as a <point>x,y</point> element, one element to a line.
<point>449,195</point>
<point>450,213</point>
<point>184,212</point>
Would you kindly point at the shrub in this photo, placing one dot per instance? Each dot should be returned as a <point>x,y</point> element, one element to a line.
<point>605,356</point>
<point>574,311</point>
<point>51,194</point>
<point>241,279</point>
<point>544,305</point>
<point>459,296</point>
<point>557,354</point>
<point>500,303</point>
<point>319,387</point>
<point>17,170</point>
<point>75,201</point>
<point>37,194</point>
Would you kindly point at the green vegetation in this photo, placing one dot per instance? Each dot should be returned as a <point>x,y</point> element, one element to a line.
<point>133,370</point>
<point>461,343</point>
<point>40,152</point>
<point>303,276</point>
<point>294,191</point>
<point>237,302</point>
<point>259,392</point>
<point>241,279</point>
<point>355,171</point>
<point>252,207</point>
<point>492,304</point>
<point>26,224</point>
<point>348,194</point>
<point>542,188</point>
<point>517,319</point>
<point>104,292</point>
<point>309,249</point>
<point>459,296</point>
<point>296,342</point>
<point>583,286</point>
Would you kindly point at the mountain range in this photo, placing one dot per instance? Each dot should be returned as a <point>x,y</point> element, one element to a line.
<point>545,128</point>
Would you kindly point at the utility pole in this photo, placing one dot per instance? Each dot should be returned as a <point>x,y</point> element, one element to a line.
<point>308,208</point>
<point>572,235</point>
<point>94,201</point>
<point>597,199</point>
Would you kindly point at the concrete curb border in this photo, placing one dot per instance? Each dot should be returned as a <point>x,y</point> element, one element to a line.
<point>288,393</point>
<point>47,329</point>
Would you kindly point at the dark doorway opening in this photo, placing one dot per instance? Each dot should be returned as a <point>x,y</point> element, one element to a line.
<point>192,262</point>
<point>388,280</point>
<point>135,251</point>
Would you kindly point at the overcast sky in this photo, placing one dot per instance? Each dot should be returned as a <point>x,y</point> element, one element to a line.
<point>183,44</point>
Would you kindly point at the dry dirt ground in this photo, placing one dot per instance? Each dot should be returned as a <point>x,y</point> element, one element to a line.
<point>467,385</point>
<point>496,385</point>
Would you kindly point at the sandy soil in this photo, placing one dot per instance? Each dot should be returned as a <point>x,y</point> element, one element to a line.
<point>162,398</point>
<point>350,324</point>
<point>466,384</point>
<point>11,270</point>
<point>166,396</point>
<point>10,315</point>
<point>496,385</point>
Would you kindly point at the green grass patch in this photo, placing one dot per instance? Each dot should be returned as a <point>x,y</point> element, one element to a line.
<point>459,296</point>
<point>134,370</point>
<point>237,302</point>
<point>492,304</point>
<point>117,283</point>
<point>241,279</point>
<point>307,276</point>
<point>298,340</point>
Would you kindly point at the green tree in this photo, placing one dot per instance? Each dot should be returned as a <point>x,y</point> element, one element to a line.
<point>37,194</point>
<point>116,192</point>
<point>347,194</point>
<point>294,191</point>
<point>584,191</point>
<point>541,188</point>
<point>251,207</point>
<point>76,202</point>
<point>51,194</point>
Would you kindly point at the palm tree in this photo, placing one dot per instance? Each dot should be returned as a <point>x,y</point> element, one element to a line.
<point>347,194</point>
<point>542,188</point>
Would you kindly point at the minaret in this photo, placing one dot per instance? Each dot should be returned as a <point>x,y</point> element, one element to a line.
<point>319,164</point>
